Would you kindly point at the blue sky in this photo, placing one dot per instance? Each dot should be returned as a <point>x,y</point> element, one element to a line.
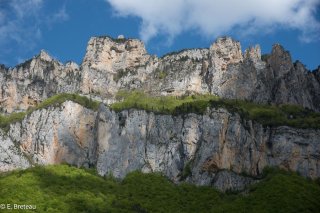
<point>63,27</point>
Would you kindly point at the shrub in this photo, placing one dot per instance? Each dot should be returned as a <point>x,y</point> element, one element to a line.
<point>162,75</point>
<point>120,73</point>
<point>187,170</point>
<point>265,57</point>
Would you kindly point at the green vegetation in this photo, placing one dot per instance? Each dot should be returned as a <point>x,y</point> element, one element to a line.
<point>6,120</point>
<point>265,57</point>
<point>289,115</point>
<point>116,40</point>
<point>116,49</point>
<point>67,189</point>
<point>162,75</point>
<point>56,100</point>
<point>187,171</point>
<point>162,104</point>
<point>268,115</point>
<point>184,58</point>
<point>159,74</point>
<point>120,73</point>
<point>59,99</point>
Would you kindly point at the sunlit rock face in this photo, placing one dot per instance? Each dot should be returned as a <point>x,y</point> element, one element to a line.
<point>105,53</point>
<point>29,83</point>
<point>57,135</point>
<point>11,157</point>
<point>107,60</point>
<point>225,51</point>
<point>110,65</point>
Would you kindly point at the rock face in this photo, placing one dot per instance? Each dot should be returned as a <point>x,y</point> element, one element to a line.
<point>107,60</point>
<point>215,148</point>
<point>230,181</point>
<point>11,157</point>
<point>111,65</point>
<point>57,135</point>
<point>35,80</point>
<point>287,82</point>
<point>206,145</point>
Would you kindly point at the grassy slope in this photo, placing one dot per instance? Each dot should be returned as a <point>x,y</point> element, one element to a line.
<point>56,100</point>
<point>67,189</point>
<point>290,115</point>
<point>163,104</point>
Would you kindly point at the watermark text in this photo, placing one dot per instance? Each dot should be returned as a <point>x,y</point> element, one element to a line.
<point>15,206</point>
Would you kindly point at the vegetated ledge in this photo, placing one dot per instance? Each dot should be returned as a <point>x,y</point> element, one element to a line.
<point>56,100</point>
<point>267,115</point>
<point>63,188</point>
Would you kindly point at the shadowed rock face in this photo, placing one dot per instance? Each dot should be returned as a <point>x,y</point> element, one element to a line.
<point>208,144</point>
<point>210,149</point>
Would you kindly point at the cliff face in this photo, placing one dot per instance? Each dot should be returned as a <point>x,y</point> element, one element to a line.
<point>29,83</point>
<point>11,157</point>
<point>107,60</point>
<point>52,136</point>
<point>207,149</point>
<point>111,65</point>
<point>210,149</point>
<point>222,70</point>
<point>216,148</point>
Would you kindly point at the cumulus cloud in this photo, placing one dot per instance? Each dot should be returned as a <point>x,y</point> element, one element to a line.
<point>217,17</point>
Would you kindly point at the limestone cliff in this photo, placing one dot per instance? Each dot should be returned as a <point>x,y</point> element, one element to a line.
<point>215,148</point>
<point>111,65</point>
<point>107,60</point>
<point>63,134</point>
<point>29,83</point>
<point>202,149</point>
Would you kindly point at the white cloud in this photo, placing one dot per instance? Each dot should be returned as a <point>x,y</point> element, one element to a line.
<point>61,15</point>
<point>217,17</point>
<point>23,8</point>
<point>22,22</point>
